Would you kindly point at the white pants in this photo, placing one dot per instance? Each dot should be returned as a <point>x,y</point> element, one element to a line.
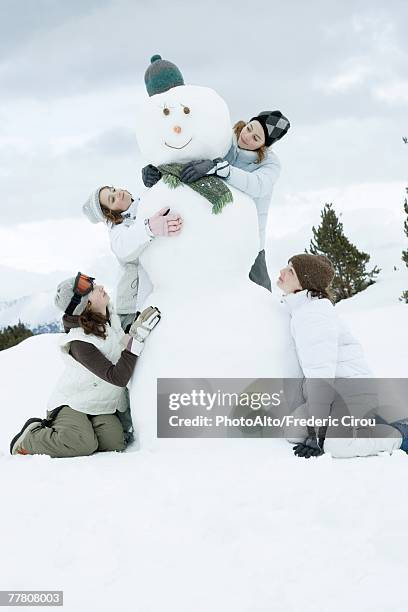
<point>389,441</point>
<point>366,441</point>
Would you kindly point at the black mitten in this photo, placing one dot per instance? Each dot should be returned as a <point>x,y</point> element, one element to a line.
<point>151,175</point>
<point>313,446</point>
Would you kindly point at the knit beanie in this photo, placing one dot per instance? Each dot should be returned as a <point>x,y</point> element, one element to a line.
<point>275,125</point>
<point>161,76</point>
<point>313,271</point>
<point>64,295</point>
<point>92,207</point>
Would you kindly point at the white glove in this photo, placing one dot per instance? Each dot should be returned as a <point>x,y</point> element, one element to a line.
<point>142,326</point>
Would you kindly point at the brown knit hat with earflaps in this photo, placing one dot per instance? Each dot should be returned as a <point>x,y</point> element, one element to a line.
<point>313,271</point>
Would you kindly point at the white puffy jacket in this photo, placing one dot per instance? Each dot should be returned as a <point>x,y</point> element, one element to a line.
<point>325,347</point>
<point>78,387</point>
<point>128,240</point>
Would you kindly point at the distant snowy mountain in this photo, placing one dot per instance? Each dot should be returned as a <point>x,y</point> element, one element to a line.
<point>36,311</point>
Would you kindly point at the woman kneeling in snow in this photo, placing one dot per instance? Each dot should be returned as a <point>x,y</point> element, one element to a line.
<point>84,410</point>
<point>327,351</point>
<point>251,166</point>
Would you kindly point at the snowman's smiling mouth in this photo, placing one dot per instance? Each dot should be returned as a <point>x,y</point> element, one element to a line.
<point>184,145</point>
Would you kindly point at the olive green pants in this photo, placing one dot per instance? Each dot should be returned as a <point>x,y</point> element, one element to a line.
<point>74,434</point>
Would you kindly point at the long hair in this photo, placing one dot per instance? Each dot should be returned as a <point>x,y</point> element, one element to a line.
<point>113,217</point>
<point>94,322</point>
<point>322,293</point>
<point>261,152</point>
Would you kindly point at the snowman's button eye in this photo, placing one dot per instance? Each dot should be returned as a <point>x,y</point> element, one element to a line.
<point>166,111</point>
<point>186,110</point>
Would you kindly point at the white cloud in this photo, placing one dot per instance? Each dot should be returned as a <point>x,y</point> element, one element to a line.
<point>46,246</point>
<point>376,62</point>
<point>69,123</point>
<point>352,74</point>
<point>394,92</point>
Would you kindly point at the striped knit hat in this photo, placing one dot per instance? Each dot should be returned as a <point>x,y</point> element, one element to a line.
<point>313,271</point>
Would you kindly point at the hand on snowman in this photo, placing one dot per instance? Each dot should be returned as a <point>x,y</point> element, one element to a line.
<point>164,224</point>
<point>141,327</point>
<point>195,170</point>
<point>150,175</point>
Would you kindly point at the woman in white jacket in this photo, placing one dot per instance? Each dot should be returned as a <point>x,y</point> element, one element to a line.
<point>327,351</point>
<point>129,235</point>
<point>85,408</point>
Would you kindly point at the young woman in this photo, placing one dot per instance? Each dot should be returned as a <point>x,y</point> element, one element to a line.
<point>327,351</point>
<point>251,166</point>
<point>84,411</point>
<point>129,236</point>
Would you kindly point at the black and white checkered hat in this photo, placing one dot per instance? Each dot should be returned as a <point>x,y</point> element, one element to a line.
<point>275,125</point>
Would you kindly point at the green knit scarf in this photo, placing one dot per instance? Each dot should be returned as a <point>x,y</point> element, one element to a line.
<point>212,188</point>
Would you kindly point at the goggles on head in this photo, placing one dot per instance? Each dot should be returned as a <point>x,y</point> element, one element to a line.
<point>82,286</point>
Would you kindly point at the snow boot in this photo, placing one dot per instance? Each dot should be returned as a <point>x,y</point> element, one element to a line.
<point>16,446</point>
<point>402,427</point>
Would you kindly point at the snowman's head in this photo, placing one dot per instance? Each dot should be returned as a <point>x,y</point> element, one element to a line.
<point>182,124</point>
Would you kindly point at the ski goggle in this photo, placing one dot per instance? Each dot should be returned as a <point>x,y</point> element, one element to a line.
<point>82,286</point>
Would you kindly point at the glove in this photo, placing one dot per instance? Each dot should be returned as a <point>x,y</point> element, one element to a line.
<point>163,224</point>
<point>309,448</point>
<point>141,327</point>
<point>205,167</point>
<point>151,175</point>
<point>312,446</point>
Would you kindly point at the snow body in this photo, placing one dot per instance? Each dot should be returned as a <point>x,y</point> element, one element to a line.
<point>215,323</point>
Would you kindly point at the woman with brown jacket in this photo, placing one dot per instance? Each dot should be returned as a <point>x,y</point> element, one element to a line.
<point>85,407</point>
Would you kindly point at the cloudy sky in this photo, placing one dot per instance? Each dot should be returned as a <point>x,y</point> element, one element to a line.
<point>71,74</point>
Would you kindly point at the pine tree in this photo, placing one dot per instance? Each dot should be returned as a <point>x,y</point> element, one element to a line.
<point>13,334</point>
<point>349,263</point>
<point>404,296</point>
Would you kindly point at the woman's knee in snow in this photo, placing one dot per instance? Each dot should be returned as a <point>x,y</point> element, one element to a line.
<point>80,445</point>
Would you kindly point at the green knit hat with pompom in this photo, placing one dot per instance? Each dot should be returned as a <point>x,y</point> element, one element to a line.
<point>161,76</point>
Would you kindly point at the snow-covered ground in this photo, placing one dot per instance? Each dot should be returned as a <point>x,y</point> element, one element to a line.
<point>380,320</point>
<point>219,525</point>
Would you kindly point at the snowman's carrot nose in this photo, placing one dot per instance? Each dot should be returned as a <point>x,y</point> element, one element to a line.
<point>177,129</point>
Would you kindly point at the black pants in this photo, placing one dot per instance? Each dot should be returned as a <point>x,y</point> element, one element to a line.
<point>259,271</point>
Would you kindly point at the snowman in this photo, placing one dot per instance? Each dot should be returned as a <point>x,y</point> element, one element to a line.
<point>216,323</point>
